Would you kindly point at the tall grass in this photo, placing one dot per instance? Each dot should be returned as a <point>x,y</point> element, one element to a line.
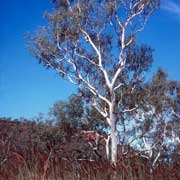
<point>38,152</point>
<point>56,168</point>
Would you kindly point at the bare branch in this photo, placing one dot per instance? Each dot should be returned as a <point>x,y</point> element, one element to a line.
<point>118,86</point>
<point>101,111</point>
<point>84,57</point>
<point>99,57</point>
<point>93,90</point>
<point>129,110</point>
<point>69,76</point>
<point>175,114</point>
<point>119,70</point>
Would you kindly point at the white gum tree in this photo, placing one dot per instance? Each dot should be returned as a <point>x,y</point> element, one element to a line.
<point>87,42</point>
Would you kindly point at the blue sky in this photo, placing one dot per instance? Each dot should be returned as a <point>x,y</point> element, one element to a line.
<point>26,88</point>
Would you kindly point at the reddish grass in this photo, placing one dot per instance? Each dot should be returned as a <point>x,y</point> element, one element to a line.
<point>31,151</point>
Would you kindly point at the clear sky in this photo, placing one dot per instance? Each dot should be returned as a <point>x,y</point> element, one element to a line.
<point>26,88</point>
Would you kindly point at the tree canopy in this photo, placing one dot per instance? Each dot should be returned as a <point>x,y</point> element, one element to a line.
<point>93,45</point>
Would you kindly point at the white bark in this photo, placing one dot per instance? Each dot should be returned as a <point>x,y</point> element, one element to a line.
<point>107,147</point>
<point>113,128</point>
<point>113,144</point>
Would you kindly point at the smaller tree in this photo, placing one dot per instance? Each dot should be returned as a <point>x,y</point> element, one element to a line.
<point>70,111</point>
<point>76,112</point>
<point>158,128</point>
<point>94,120</point>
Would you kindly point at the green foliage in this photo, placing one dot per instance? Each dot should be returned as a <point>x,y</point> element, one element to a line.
<point>77,113</point>
<point>70,111</point>
<point>62,39</point>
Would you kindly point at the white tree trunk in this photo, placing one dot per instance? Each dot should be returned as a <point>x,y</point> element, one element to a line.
<point>107,147</point>
<point>113,133</point>
<point>113,143</point>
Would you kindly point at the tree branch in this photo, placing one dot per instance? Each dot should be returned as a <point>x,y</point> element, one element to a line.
<point>87,36</point>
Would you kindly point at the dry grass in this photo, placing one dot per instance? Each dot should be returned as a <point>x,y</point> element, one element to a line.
<point>37,152</point>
